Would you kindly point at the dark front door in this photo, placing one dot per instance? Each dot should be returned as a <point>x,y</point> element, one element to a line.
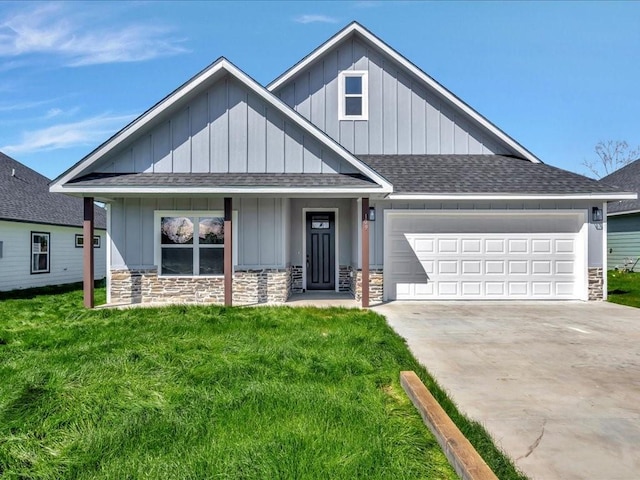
<point>321,251</point>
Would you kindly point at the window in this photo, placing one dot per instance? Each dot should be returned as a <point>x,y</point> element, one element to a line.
<point>40,247</point>
<point>80,241</point>
<point>353,95</point>
<point>190,243</point>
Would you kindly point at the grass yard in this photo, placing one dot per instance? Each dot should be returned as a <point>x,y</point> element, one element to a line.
<point>624,288</point>
<point>211,392</point>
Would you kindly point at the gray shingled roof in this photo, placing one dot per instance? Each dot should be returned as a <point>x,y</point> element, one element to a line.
<point>479,174</point>
<point>222,180</point>
<point>628,179</point>
<point>25,197</point>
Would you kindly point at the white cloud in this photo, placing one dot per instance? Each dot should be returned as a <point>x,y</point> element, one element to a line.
<point>50,29</point>
<point>315,19</point>
<point>84,132</point>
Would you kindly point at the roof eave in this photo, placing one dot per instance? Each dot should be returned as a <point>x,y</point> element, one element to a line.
<point>229,190</point>
<point>512,196</point>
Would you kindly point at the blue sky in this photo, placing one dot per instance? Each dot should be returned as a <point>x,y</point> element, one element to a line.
<point>556,76</point>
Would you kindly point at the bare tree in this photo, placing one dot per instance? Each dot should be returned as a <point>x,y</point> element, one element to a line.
<point>612,155</point>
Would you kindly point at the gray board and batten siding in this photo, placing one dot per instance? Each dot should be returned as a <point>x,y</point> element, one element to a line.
<point>405,115</point>
<point>225,129</point>
<point>260,226</point>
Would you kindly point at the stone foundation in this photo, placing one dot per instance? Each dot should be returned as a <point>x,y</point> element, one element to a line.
<point>376,284</point>
<point>249,287</point>
<point>596,284</point>
<point>296,279</point>
<point>344,278</point>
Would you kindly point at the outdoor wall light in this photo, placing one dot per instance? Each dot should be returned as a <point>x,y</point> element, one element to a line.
<point>596,214</point>
<point>372,214</point>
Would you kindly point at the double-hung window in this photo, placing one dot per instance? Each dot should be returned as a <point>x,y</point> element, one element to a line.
<point>40,249</point>
<point>353,95</point>
<point>190,243</point>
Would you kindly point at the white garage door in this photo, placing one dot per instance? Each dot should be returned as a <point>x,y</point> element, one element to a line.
<point>488,257</point>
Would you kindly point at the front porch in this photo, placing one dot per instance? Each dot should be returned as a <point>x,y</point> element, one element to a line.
<point>268,251</point>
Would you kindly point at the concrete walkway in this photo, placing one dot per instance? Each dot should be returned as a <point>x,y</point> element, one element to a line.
<point>556,384</point>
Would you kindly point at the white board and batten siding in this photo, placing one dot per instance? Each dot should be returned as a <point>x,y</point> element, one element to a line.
<point>225,129</point>
<point>405,116</point>
<point>485,255</point>
<point>260,225</point>
<point>66,261</point>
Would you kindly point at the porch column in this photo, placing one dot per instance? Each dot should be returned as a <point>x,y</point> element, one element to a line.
<point>87,253</point>
<point>228,252</point>
<point>365,252</point>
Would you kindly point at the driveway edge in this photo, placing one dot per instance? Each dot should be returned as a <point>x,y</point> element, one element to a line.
<point>461,455</point>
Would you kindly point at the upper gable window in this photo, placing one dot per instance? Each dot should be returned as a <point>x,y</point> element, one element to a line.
<point>353,95</point>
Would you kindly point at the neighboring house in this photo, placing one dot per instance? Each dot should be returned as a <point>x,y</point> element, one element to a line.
<point>40,231</point>
<point>229,191</point>
<point>623,219</point>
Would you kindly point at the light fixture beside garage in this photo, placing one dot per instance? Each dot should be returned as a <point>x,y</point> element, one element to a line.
<point>372,214</point>
<point>596,214</point>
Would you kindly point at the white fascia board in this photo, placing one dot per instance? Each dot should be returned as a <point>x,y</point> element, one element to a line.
<point>355,27</point>
<point>626,212</point>
<point>577,196</point>
<point>221,65</point>
<point>91,191</point>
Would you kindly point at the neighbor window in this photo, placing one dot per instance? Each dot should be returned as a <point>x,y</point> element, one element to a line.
<point>80,241</point>
<point>353,95</point>
<point>40,248</point>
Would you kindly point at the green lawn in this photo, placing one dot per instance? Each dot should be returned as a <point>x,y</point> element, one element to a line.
<point>211,392</point>
<point>624,288</point>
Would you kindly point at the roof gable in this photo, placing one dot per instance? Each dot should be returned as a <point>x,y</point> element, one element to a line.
<point>460,121</point>
<point>220,98</point>
<point>25,197</point>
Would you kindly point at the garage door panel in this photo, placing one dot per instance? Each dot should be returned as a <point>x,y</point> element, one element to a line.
<point>564,246</point>
<point>541,246</point>
<point>541,267</point>
<point>541,289</point>
<point>518,267</point>
<point>471,245</point>
<point>518,245</point>
<point>471,267</point>
<point>471,289</point>
<point>494,289</point>
<point>447,289</point>
<point>447,245</point>
<point>480,265</point>
<point>494,267</point>
<point>448,267</point>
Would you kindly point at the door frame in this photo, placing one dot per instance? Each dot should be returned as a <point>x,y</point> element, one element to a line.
<point>336,240</point>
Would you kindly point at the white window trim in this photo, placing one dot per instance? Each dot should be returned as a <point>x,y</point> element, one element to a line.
<point>48,253</point>
<point>342,95</point>
<point>157,236</point>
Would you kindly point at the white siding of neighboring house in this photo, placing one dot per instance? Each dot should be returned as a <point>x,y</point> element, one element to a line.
<point>65,258</point>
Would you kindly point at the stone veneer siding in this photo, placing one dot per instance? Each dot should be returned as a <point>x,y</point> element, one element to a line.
<point>596,284</point>
<point>296,279</point>
<point>249,287</point>
<point>344,278</point>
<point>376,284</point>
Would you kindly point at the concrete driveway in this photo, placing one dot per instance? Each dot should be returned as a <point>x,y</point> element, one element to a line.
<point>556,384</point>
